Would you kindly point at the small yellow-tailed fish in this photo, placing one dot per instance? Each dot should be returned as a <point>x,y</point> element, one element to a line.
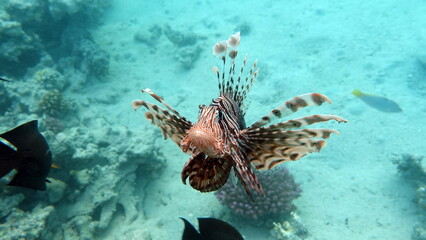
<point>380,103</point>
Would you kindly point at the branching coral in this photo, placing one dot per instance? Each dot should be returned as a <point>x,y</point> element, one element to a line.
<point>280,191</point>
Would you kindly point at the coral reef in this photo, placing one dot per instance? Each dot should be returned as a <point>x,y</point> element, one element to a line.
<point>413,168</point>
<point>6,100</point>
<point>187,50</point>
<point>97,182</point>
<point>416,78</point>
<point>53,104</point>
<point>16,47</point>
<point>25,36</point>
<point>187,56</point>
<point>280,191</point>
<point>179,38</point>
<point>291,229</point>
<point>93,60</point>
<point>53,124</point>
<point>149,37</point>
<point>27,225</point>
<point>50,79</point>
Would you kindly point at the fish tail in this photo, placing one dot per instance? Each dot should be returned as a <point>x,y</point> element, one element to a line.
<point>206,174</point>
<point>357,93</point>
<point>54,165</point>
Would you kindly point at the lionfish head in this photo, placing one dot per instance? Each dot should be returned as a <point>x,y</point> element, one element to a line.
<point>204,136</point>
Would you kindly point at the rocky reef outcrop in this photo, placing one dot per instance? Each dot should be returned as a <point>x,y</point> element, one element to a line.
<point>413,168</point>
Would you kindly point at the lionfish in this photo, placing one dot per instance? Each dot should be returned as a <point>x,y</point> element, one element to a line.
<point>220,140</point>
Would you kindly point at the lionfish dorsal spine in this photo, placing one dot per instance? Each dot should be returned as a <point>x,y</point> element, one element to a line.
<point>230,85</point>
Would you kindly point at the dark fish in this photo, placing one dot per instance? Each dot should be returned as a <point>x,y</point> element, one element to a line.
<point>220,140</point>
<point>380,103</point>
<point>2,79</point>
<point>210,229</point>
<point>29,155</point>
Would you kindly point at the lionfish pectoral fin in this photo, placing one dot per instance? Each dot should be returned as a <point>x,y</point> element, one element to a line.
<point>245,174</point>
<point>292,106</point>
<point>301,122</point>
<point>274,144</point>
<point>171,123</point>
<point>206,174</point>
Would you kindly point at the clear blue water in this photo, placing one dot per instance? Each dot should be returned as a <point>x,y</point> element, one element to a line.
<point>118,179</point>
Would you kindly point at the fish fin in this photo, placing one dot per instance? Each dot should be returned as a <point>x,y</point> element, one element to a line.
<point>26,178</point>
<point>34,151</point>
<point>3,79</point>
<point>234,87</point>
<point>24,135</point>
<point>189,232</point>
<point>302,122</point>
<point>245,174</point>
<point>214,229</point>
<point>206,174</point>
<point>7,159</point>
<point>272,145</point>
<point>292,106</point>
<point>172,124</point>
<point>54,165</point>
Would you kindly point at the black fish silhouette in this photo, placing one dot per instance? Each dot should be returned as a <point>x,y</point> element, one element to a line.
<point>2,79</point>
<point>210,229</point>
<point>31,157</point>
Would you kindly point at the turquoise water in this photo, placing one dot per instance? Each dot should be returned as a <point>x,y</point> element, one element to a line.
<point>118,178</point>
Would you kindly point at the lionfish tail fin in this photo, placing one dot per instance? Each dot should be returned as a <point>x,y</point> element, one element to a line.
<point>206,174</point>
<point>171,123</point>
<point>235,87</point>
<point>292,106</point>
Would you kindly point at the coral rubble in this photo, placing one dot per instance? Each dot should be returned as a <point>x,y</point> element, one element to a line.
<point>290,229</point>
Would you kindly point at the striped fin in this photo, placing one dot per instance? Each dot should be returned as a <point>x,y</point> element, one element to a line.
<point>230,85</point>
<point>245,173</point>
<point>171,123</point>
<point>206,174</point>
<point>301,122</point>
<point>292,106</point>
<point>271,146</point>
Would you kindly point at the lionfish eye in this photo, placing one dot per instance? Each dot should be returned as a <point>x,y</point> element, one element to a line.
<point>219,115</point>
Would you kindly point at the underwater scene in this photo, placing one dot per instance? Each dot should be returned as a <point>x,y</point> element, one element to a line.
<point>256,120</point>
